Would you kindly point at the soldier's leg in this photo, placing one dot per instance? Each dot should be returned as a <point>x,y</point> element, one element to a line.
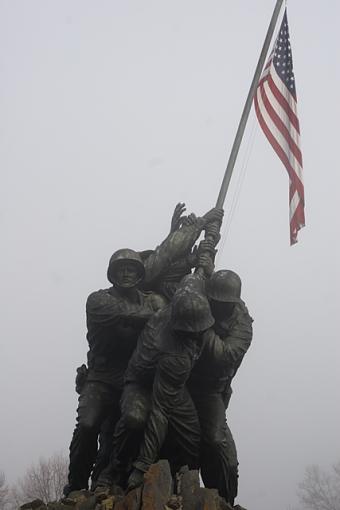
<point>106,440</point>
<point>219,465</point>
<point>135,407</point>
<point>91,412</point>
<point>233,464</point>
<point>182,445</point>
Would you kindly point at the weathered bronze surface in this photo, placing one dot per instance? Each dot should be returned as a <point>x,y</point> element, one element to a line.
<point>165,341</point>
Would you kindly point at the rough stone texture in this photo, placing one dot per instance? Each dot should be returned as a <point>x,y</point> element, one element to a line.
<point>157,486</point>
<point>36,503</point>
<point>56,505</point>
<point>205,499</point>
<point>68,502</point>
<point>158,493</point>
<point>88,504</point>
<point>174,503</point>
<point>102,493</point>
<point>195,497</point>
<point>188,486</point>
<point>132,501</point>
<point>80,496</point>
<point>109,503</point>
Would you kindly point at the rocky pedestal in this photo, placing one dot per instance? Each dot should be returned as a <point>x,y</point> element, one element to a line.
<point>159,492</point>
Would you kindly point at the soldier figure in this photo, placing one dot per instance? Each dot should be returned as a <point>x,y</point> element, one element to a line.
<point>115,317</point>
<point>155,399</point>
<point>166,266</point>
<point>209,385</point>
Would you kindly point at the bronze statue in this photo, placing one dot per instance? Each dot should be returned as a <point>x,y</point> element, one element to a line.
<point>115,317</point>
<point>140,393</point>
<point>164,345</point>
<point>210,382</point>
<point>155,398</point>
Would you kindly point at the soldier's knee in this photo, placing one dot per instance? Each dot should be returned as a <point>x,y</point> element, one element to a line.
<point>88,424</point>
<point>135,408</point>
<point>135,419</point>
<point>215,440</point>
<point>233,469</point>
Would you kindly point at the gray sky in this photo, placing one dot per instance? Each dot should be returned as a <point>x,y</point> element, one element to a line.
<point>113,111</point>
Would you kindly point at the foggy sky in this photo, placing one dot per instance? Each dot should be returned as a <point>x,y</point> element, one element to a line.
<point>110,113</point>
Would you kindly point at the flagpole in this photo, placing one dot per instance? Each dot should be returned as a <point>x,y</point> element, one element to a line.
<point>247,107</point>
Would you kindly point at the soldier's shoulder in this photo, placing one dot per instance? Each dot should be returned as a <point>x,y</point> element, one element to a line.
<point>242,312</point>
<point>98,296</point>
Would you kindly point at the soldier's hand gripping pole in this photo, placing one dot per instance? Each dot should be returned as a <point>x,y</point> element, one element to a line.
<point>206,249</point>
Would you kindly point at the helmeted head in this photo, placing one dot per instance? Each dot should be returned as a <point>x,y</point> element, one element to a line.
<point>223,290</point>
<point>126,269</point>
<point>224,286</point>
<point>191,312</point>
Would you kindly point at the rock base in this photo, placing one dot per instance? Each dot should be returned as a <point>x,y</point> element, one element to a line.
<point>159,492</point>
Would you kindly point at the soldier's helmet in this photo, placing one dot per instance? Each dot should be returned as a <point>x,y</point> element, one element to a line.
<point>225,286</point>
<point>191,312</point>
<point>121,257</point>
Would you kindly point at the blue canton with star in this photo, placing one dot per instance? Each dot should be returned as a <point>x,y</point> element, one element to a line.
<point>283,60</point>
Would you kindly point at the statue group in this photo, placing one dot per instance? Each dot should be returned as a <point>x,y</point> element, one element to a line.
<point>165,341</point>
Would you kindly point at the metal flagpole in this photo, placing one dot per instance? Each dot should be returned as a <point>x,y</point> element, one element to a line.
<point>247,106</point>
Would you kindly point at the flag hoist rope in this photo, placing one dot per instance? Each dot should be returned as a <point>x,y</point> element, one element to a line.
<point>238,188</point>
<point>245,114</point>
<point>247,107</point>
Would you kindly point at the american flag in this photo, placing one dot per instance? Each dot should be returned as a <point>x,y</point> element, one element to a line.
<point>275,106</point>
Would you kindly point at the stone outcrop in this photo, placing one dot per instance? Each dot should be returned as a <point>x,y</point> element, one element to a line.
<point>159,492</point>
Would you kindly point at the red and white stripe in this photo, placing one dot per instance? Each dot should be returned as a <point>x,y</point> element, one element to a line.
<point>276,111</point>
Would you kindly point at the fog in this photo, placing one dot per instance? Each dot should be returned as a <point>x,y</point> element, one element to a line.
<point>111,113</point>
